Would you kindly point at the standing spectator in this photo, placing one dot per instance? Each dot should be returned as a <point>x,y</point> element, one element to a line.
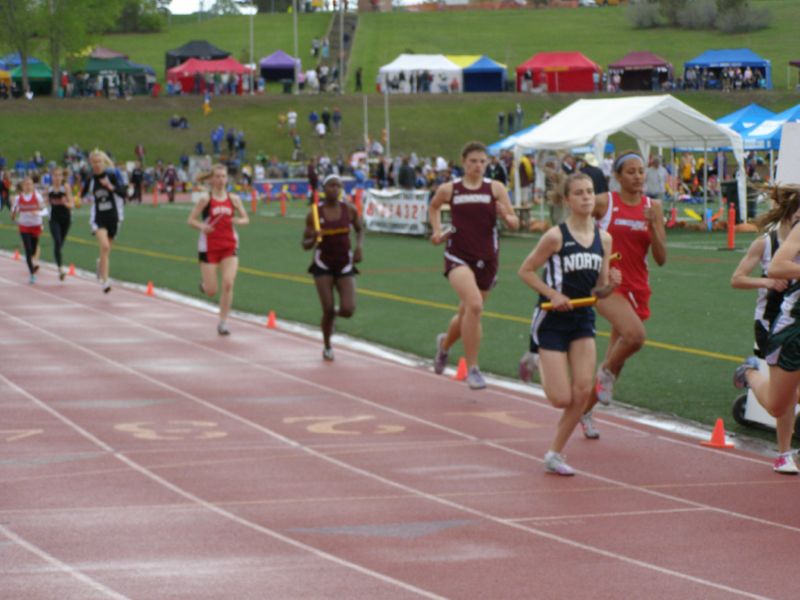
<point>519,115</point>
<point>137,180</point>
<point>5,190</point>
<point>291,121</point>
<point>336,119</point>
<point>497,171</point>
<point>591,167</point>
<point>655,179</point>
<point>170,181</point>
<point>406,178</point>
<point>501,119</point>
<point>510,122</point>
<point>359,76</point>
<point>326,49</point>
<point>216,139</point>
<point>326,117</point>
<point>230,138</point>
<point>313,119</point>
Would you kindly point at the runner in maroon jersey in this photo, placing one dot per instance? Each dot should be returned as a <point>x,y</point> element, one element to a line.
<point>471,254</point>
<point>334,262</point>
<point>218,245</point>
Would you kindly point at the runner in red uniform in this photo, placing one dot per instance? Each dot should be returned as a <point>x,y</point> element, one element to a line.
<point>334,262</point>
<point>26,209</point>
<point>471,256</point>
<point>218,244</point>
<point>636,225</point>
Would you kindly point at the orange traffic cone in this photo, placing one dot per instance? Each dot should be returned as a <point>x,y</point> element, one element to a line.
<point>461,370</point>
<point>150,291</point>
<point>71,269</point>
<point>16,254</point>
<point>718,437</point>
<point>271,320</point>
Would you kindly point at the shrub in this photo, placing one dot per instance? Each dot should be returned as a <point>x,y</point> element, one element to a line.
<point>744,19</point>
<point>643,15</point>
<point>699,15</point>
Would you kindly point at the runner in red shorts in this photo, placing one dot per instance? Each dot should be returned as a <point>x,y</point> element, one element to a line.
<point>471,255</point>
<point>26,209</point>
<point>636,225</point>
<point>218,245</point>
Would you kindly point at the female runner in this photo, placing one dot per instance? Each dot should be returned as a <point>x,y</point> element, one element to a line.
<point>471,255</point>
<point>107,195</point>
<point>218,245</point>
<point>778,222</point>
<point>636,225</point>
<point>26,209</point>
<point>333,266</point>
<point>575,255</point>
<point>59,196</point>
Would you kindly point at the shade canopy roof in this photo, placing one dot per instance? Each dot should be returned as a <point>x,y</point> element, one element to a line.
<point>278,60</point>
<point>193,66</point>
<point>639,60</point>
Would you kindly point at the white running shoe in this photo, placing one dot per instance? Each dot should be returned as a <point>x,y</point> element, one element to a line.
<point>556,463</point>
<point>440,359</point>
<point>785,464</point>
<point>106,286</point>
<point>528,366</point>
<point>475,379</point>
<point>740,374</point>
<point>590,432</point>
<point>327,354</point>
<point>222,329</point>
<point>604,386</point>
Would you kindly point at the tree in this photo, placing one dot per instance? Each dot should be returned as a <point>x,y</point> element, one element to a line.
<point>225,7</point>
<point>19,18</point>
<point>71,25</point>
<point>139,16</point>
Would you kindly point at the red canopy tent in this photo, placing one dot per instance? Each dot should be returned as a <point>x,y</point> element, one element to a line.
<point>186,73</point>
<point>560,72</point>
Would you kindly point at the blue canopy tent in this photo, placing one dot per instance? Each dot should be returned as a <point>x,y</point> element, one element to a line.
<point>767,135</point>
<point>715,60</point>
<point>509,143</point>
<point>10,61</point>
<point>484,75</point>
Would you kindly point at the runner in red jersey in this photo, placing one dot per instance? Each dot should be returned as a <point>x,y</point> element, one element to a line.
<point>26,209</point>
<point>218,244</point>
<point>333,266</point>
<point>471,256</point>
<point>636,225</point>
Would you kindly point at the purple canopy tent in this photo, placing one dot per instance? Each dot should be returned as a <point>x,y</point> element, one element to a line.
<point>278,66</point>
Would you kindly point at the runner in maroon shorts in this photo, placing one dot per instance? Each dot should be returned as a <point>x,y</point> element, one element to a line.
<point>471,254</point>
<point>334,262</point>
<point>219,244</point>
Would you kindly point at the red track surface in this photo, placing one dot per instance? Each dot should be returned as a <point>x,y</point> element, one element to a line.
<point>143,456</point>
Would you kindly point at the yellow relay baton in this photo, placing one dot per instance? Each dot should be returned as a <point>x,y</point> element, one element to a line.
<point>579,302</point>
<point>315,218</point>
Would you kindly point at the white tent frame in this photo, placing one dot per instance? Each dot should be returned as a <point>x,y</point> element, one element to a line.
<point>653,121</point>
<point>435,64</point>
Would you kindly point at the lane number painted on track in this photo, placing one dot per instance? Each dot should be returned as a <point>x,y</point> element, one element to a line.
<point>172,430</point>
<point>335,425</point>
<point>14,435</point>
<point>504,417</point>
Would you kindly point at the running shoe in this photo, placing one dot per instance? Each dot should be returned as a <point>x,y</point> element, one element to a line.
<point>32,279</point>
<point>740,374</point>
<point>475,379</point>
<point>604,386</point>
<point>556,463</point>
<point>785,464</point>
<point>528,366</point>
<point>590,432</point>
<point>62,273</point>
<point>106,286</point>
<point>327,354</point>
<point>440,360</point>
<point>222,329</point>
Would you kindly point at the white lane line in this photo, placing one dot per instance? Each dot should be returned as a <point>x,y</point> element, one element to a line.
<point>627,513</point>
<point>381,479</point>
<point>61,566</point>
<point>205,504</point>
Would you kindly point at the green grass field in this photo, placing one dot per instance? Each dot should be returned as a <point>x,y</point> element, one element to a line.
<point>699,331</point>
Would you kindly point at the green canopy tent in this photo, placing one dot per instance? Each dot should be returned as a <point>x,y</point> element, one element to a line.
<point>40,77</point>
<point>134,75</point>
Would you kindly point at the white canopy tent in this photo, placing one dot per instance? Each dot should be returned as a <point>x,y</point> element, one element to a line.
<point>442,70</point>
<point>660,121</point>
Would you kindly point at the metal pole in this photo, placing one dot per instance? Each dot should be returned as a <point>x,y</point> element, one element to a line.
<point>388,131</point>
<point>341,46</point>
<point>252,53</point>
<point>366,125</point>
<point>295,86</point>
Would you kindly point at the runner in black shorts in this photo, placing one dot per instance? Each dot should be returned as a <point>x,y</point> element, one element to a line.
<point>59,196</point>
<point>575,257</point>
<point>471,254</point>
<point>333,266</point>
<point>778,222</point>
<point>106,193</point>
